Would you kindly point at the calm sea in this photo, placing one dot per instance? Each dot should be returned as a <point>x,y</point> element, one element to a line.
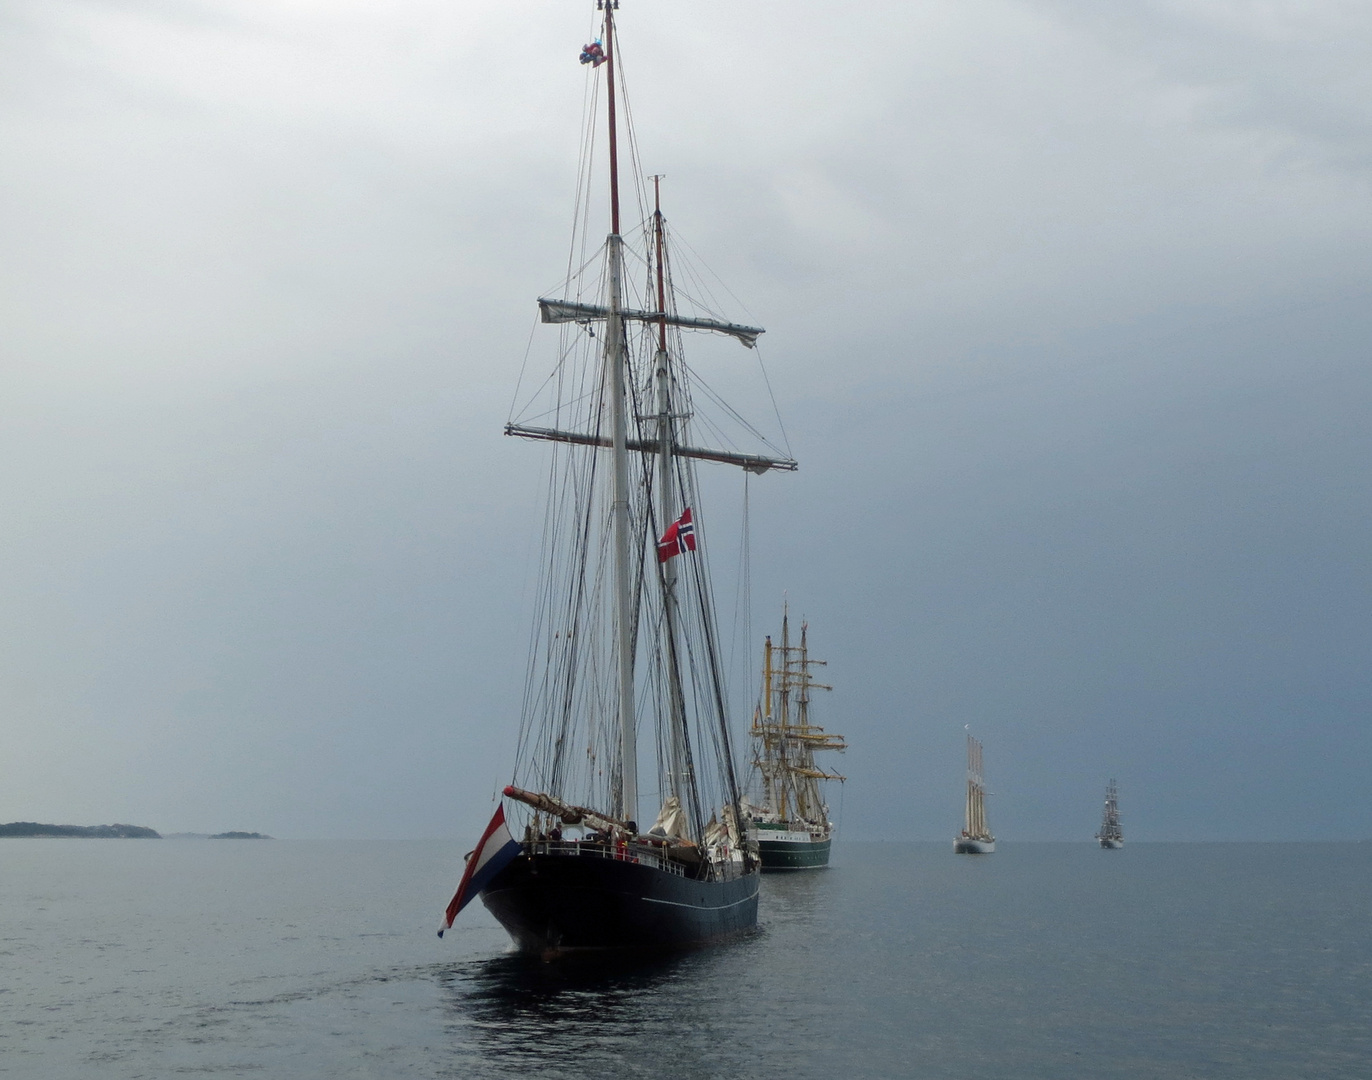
<point>134,958</point>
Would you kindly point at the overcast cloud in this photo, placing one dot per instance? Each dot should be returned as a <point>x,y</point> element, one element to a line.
<point>1068,322</point>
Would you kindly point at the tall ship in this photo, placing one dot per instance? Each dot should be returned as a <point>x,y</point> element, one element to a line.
<point>786,814</point>
<point>624,706</point>
<point>975,838</point>
<point>1111,834</point>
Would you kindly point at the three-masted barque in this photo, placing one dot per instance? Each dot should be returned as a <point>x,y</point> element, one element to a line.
<point>975,838</point>
<point>625,705</point>
<point>1111,834</point>
<point>786,814</point>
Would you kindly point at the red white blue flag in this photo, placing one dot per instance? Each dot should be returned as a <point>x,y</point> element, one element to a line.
<point>680,536</point>
<point>494,851</point>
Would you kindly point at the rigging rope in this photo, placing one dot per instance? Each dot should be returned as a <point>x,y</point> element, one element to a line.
<point>567,744</point>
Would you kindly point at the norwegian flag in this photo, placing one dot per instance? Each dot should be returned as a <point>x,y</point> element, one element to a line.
<point>680,536</point>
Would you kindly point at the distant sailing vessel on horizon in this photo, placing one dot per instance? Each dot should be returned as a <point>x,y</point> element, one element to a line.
<point>975,838</point>
<point>790,821</point>
<point>1111,835</point>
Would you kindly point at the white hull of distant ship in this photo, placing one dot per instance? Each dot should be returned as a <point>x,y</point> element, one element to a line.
<point>623,642</point>
<point>1111,835</point>
<point>975,838</point>
<point>789,822</point>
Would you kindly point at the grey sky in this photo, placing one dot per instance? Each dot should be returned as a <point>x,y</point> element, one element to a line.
<point>1067,310</point>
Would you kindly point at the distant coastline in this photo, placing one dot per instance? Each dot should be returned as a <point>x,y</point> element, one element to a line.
<point>97,832</point>
<point>240,836</point>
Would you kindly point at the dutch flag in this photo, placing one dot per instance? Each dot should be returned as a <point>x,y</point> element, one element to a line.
<point>494,851</point>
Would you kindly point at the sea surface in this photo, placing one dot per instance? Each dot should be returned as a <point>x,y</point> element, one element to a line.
<point>285,959</point>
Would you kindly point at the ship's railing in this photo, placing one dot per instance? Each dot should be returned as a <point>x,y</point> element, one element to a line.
<point>728,870</point>
<point>589,849</point>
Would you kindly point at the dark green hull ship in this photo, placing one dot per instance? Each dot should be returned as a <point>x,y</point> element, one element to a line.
<point>779,855</point>
<point>787,817</point>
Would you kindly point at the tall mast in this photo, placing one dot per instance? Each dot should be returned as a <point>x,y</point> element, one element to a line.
<point>667,509</point>
<point>805,784</point>
<point>784,714</point>
<point>660,246</point>
<point>615,361</point>
<point>967,815</point>
<point>770,776</point>
<point>981,791</point>
<point>614,133</point>
<point>974,823</point>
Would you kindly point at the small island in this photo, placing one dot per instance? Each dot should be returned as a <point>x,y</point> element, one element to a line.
<point>96,832</point>
<point>240,836</point>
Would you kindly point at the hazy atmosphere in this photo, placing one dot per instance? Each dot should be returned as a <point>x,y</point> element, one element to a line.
<point>1068,322</point>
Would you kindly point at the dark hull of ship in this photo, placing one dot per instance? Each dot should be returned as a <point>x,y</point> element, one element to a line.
<point>1111,843</point>
<point>553,903</point>
<point>969,845</point>
<point>782,855</point>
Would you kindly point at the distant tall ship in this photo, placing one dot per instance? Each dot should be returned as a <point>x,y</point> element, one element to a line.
<point>1111,833</point>
<point>790,821</point>
<point>975,838</point>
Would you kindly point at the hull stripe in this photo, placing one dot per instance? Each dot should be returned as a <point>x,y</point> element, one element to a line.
<point>701,907</point>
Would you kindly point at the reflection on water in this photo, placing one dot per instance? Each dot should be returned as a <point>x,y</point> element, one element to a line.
<point>517,995</point>
<point>594,1015</point>
<point>703,1011</point>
